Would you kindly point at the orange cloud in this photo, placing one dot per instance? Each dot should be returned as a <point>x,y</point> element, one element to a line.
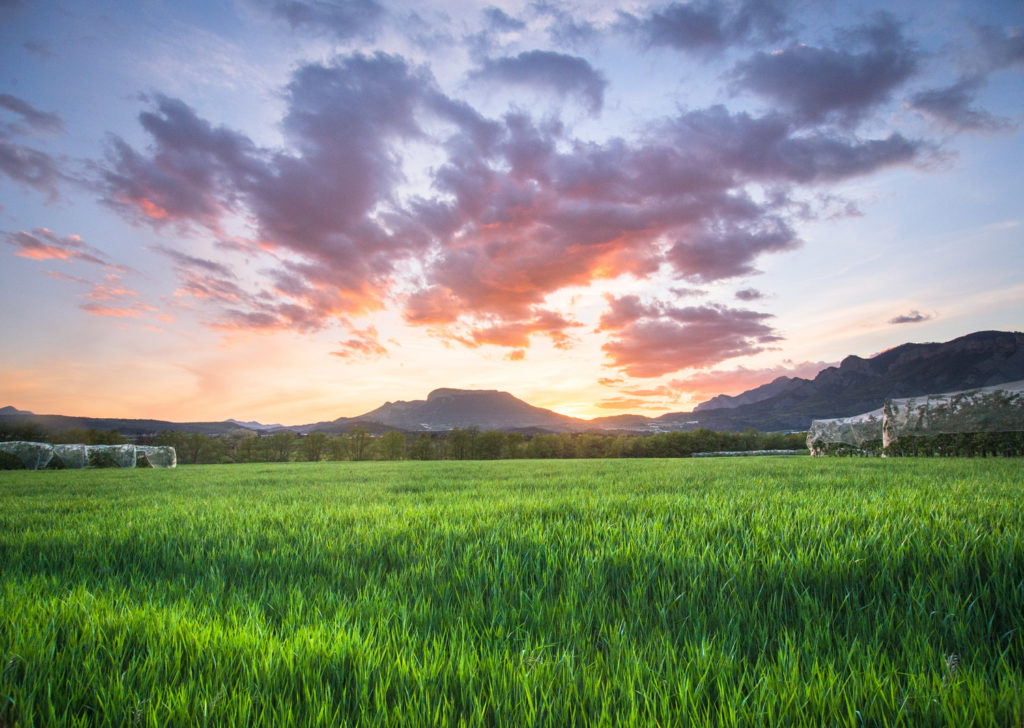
<point>151,209</point>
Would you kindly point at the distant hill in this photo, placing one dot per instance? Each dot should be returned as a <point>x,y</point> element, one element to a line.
<point>446,409</point>
<point>8,410</point>
<point>252,425</point>
<point>129,428</point>
<point>857,385</point>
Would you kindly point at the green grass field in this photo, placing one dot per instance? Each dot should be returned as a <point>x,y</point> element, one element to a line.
<point>747,591</point>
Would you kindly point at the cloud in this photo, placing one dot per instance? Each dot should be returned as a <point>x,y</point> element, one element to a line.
<point>343,19</point>
<point>556,72</point>
<point>650,340</point>
<point>709,25</point>
<point>23,164</point>
<point>515,209</point>
<point>515,355</point>
<point>498,21</point>
<point>727,251</point>
<point>186,261</point>
<point>363,344</point>
<point>749,294</point>
<point>43,244</point>
<point>1001,47</point>
<point>36,120</point>
<point>951,107</point>
<point>771,148</point>
<point>817,84</point>
<point>39,49</point>
<point>913,317</point>
<point>565,30</point>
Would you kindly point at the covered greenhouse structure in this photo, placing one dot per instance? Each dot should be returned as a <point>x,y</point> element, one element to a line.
<point>973,421</point>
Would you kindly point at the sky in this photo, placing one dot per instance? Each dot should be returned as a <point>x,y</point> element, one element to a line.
<point>293,210</point>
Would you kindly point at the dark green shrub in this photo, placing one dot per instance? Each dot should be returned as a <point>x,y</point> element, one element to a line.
<point>100,459</point>
<point>10,461</point>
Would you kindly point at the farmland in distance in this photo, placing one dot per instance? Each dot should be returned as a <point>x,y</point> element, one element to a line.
<point>751,591</point>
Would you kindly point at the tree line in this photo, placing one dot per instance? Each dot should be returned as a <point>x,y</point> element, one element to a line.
<point>469,443</point>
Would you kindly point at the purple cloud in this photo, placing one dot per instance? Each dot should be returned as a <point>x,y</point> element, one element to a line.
<point>818,84</point>
<point>951,107</point>
<point>709,26</point>
<point>517,209</point>
<point>344,19</point>
<point>749,294</point>
<point>649,340</point>
<point>33,118</point>
<point>1001,47</point>
<point>548,70</point>
<point>498,21</point>
<point>913,317</point>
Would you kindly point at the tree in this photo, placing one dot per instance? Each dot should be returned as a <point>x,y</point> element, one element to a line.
<point>490,445</point>
<point>314,446</point>
<point>357,441</point>
<point>422,448</point>
<point>458,442</point>
<point>392,445</point>
<point>280,446</point>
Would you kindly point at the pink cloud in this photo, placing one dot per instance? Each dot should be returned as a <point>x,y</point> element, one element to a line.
<point>649,340</point>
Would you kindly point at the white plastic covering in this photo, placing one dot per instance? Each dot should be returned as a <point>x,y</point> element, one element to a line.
<point>998,408</point>
<point>854,431</point>
<point>39,455</point>
<point>123,455</point>
<point>70,456</point>
<point>158,456</point>
<point>34,455</point>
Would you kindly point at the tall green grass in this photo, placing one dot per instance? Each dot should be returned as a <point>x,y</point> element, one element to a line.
<point>548,593</point>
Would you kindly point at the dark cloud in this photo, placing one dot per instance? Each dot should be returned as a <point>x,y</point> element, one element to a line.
<point>343,19</point>
<point>951,107</point>
<point>1001,47</point>
<point>30,167</point>
<point>913,317</point>
<point>33,118</point>
<point>771,148</point>
<point>726,252</point>
<point>564,29</point>
<point>709,26</point>
<point>749,294</point>
<point>817,84</point>
<point>39,49</point>
<point>43,244</point>
<point>649,340</point>
<point>23,164</point>
<point>499,21</point>
<point>550,71</point>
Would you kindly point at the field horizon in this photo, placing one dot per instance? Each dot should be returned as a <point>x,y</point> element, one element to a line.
<point>753,591</point>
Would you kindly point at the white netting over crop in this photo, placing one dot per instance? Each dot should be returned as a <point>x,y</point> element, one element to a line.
<point>855,431</point>
<point>999,408</point>
<point>41,455</point>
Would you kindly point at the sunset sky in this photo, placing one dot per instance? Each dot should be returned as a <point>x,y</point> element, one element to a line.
<point>291,211</point>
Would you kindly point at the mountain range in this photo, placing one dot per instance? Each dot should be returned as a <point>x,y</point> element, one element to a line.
<point>856,385</point>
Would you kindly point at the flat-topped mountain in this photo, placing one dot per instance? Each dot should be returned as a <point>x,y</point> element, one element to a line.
<point>445,409</point>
